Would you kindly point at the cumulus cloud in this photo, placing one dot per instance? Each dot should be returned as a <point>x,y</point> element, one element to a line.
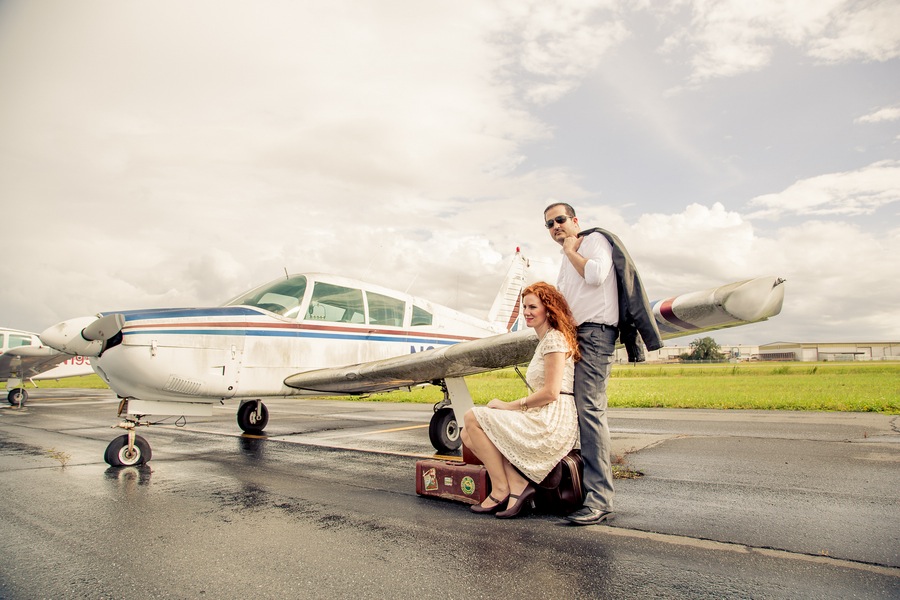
<point>839,277</point>
<point>551,45</point>
<point>882,115</point>
<point>731,37</point>
<point>851,193</point>
<point>181,154</point>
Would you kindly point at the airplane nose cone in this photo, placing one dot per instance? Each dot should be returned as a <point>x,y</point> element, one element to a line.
<point>66,337</point>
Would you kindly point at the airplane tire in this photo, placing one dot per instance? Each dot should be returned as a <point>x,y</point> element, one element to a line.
<point>443,431</point>
<point>247,420</point>
<point>117,454</point>
<point>17,397</point>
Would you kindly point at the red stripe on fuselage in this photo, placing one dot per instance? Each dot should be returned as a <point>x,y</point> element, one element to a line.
<point>665,310</point>
<point>297,327</point>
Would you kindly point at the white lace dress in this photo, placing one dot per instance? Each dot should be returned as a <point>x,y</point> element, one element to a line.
<point>536,439</point>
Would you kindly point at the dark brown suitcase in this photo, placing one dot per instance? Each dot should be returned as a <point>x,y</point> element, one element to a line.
<point>469,457</point>
<point>452,480</point>
<point>568,496</point>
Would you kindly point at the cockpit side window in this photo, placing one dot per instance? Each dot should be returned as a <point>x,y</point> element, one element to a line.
<point>282,297</point>
<point>384,310</point>
<point>421,317</point>
<point>16,340</point>
<point>336,303</point>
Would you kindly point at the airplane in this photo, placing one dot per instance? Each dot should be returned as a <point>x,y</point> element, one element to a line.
<point>320,335</point>
<point>23,356</point>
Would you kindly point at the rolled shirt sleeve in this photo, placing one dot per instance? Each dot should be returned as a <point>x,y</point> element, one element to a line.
<point>598,252</point>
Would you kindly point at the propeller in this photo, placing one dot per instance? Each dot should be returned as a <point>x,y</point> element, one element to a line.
<point>83,336</point>
<point>104,328</point>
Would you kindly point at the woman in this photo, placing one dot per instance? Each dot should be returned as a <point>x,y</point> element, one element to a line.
<point>524,439</point>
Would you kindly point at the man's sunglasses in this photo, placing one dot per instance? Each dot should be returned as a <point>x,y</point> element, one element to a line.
<point>560,219</point>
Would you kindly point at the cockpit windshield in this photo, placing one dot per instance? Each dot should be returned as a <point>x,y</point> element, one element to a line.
<point>282,296</point>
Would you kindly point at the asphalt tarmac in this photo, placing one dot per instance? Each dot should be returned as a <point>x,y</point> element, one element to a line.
<point>728,504</point>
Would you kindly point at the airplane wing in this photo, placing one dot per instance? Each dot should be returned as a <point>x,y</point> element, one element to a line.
<point>730,305</point>
<point>30,361</point>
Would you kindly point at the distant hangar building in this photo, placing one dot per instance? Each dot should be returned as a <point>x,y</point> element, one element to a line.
<point>786,351</point>
<point>830,351</point>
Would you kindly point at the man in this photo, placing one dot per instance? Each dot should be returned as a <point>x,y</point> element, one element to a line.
<point>598,279</point>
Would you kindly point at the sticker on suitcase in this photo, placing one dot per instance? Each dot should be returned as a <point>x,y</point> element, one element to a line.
<point>429,479</point>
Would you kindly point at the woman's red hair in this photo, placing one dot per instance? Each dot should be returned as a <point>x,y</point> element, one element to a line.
<point>559,315</point>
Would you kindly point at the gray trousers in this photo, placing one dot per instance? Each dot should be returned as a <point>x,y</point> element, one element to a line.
<point>597,344</point>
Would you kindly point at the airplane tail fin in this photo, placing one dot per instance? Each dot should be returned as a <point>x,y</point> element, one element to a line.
<point>506,311</point>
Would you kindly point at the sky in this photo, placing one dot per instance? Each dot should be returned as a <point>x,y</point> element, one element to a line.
<point>171,153</point>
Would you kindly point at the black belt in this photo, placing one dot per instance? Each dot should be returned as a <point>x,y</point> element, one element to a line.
<point>601,326</point>
<point>566,394</point>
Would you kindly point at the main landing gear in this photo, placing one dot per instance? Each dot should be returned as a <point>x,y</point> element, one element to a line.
<point>252,417</point>
<point>444,428</point>
<point>17,397</point>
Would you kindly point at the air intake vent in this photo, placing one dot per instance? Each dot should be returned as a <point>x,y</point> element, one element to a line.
<point>183,386</point>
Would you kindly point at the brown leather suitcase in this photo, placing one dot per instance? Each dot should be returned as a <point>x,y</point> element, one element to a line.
<point>568,495</point>
<point>469,457</point>
<point>452,480</point>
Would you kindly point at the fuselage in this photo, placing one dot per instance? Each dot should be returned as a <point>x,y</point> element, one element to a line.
<point>246,348</point>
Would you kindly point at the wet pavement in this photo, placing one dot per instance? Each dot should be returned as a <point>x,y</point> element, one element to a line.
<point>737,504</point>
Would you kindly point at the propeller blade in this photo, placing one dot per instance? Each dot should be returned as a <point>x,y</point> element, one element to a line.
<point>104,328</point>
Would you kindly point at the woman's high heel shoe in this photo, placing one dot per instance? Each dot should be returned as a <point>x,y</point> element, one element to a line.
<point>523,499</point>
<point>482,510</point>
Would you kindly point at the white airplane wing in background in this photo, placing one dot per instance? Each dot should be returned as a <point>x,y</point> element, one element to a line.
<point>32,361</point>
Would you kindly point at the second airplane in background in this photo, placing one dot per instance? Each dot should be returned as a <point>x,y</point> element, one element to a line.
<point>24,358</point>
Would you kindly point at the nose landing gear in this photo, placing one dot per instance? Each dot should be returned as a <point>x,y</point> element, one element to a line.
<point>128,450</point>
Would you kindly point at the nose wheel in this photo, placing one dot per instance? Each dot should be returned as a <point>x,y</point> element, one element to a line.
<point>127,451</point>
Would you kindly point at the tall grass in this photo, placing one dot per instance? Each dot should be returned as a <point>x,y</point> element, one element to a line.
<point>853,387</point>
<point>856,387</point>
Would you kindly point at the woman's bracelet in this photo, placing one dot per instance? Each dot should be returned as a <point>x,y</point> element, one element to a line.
<point>524,406</point>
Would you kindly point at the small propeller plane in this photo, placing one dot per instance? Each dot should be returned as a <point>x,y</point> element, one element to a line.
<point>320,335</point>
<point>23,357</point>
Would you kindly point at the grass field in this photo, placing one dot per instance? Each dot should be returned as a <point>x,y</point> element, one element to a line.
<point>824,386</point>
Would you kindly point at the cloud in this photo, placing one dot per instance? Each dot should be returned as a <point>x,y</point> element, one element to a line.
<point>552,45</point>
<point>731,37</point>
<point>882,115</point>
<point>840,278</point>
<point>858,31</point>
<point>859,192</point>
<point>181,154</point>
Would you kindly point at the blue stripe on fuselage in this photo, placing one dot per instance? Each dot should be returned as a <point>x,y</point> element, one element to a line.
<point>179,313</point>
<point>296,334</point>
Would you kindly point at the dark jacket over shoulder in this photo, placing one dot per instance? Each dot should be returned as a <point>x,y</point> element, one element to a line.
<point>635,315</point>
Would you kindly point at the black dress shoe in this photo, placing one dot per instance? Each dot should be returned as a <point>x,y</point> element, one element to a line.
<point>588,516</point>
